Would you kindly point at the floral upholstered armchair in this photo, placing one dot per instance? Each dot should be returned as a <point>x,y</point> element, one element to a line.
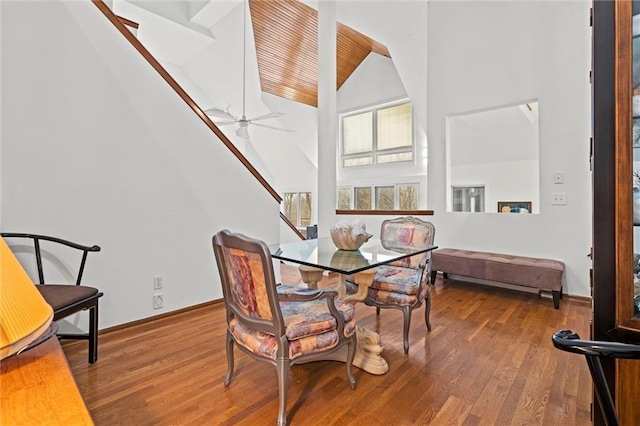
<point>281,328</point>
<point>403,284</point>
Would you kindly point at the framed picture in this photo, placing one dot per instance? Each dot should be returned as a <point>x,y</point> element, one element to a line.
<point>514,206</point>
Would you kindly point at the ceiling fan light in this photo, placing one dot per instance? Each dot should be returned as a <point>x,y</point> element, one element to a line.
<point>243,132</point>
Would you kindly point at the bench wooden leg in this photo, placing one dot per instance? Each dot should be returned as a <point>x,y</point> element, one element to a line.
<point>557,295</point>
<point>433,276</point>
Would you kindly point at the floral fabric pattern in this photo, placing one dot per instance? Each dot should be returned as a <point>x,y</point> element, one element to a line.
<point>266,345</point>
<point>310,327</point>
<point>405,235</point>
<point>390,297</point>
<point>395,286</point>
<point>396,279</point>
<point>310,318</point>
<point>248,289</point>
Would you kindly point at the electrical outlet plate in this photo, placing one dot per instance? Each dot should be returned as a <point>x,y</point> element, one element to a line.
<point>158,282</point>
<point>559,198</point>
<point>558,177</point>
<point>158,301</point>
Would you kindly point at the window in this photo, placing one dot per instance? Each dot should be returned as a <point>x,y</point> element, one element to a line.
<point>297,208</point>
<point>378,135</point>
<point>344,198</point>
<point>385,197</point>
<point>363,198</point>
<point>403,196</point>
<point>468,198</point>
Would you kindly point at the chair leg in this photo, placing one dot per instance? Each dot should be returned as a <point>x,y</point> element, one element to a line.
<point>427,312</point>
<point>377,310</point>
<point>282,366</point>
<point>351,353</point>
<point>227,378</point>
<point>93,333</point>
<point>406,313</point>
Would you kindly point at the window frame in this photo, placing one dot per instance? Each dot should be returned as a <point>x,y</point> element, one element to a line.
<point>374,195</point>
<point>466,200</point>
<point>373,155</point>
<point>298,222</point>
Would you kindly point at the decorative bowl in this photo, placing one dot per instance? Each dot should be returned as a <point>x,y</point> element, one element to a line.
<point>349,235</point>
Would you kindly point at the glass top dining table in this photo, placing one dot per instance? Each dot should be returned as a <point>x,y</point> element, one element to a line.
<point>315,256</point>
<point>322,253</point>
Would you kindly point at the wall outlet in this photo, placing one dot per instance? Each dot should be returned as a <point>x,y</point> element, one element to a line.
<point>558,177</point>
<point>158,282</point>
<point>559,198</point>
<point>158,301</point>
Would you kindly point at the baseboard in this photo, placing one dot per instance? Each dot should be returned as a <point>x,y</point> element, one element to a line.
<point>157,317</point>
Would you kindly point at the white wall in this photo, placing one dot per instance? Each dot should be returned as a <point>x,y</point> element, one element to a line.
<point>484,54</point>
<point>98,149</point>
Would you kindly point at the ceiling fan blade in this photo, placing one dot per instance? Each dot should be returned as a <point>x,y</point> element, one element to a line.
<point>270,115</point>
<point>273,128</point>
<point>224,123</point>
<point>220,113</point>
<point>242,132</point>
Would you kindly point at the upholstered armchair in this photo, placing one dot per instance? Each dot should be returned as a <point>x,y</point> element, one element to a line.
<point>281,328</point>
<point>403,284</point>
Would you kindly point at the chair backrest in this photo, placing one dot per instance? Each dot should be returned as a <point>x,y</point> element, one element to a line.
<point>248,282</point>
<point>405,233</point>
<point>38,252</point>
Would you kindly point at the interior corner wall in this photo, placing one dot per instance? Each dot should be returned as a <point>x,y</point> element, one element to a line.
<point>98,149</point>
<point>483,54</point>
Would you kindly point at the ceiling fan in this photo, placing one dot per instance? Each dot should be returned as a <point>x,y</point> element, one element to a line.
<point>243,122</point>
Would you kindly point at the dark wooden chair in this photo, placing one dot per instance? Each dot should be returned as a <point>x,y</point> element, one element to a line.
<point>403,284</point>
<point>280,328</point>
<point>67,299</point>
<point>593,350</point>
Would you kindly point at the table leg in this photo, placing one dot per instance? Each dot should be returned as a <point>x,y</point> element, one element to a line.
<point>364,280</point>
<point>368,351</point>
<point>310,276</point>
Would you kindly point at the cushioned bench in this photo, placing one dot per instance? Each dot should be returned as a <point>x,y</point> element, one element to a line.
<point>541,274</point>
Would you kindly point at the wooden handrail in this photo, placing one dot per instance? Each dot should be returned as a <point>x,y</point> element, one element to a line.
<point>117,22</point>
<point>291,225</point>
<point>129,22</point>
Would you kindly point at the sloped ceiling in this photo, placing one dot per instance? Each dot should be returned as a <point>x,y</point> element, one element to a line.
<point>286,40</point>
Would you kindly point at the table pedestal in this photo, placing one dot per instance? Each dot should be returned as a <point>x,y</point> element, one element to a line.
<point>368,351</point>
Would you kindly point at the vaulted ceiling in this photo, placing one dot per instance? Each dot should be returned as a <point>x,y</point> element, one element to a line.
<point>286,40</point>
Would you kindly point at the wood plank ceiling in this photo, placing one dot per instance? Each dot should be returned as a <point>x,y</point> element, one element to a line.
<point>286,39</point>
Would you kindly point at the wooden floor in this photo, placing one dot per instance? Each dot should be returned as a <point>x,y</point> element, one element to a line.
<point>488,361</point>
